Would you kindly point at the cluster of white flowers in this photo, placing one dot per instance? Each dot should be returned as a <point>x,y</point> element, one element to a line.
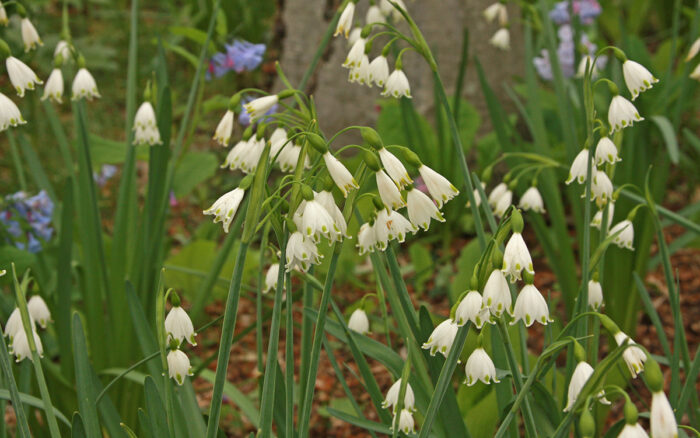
<point>501,198</point>
<point>497,12</point>
<point>406,423</point>
<point>178,328</point>
<point>39,314</point>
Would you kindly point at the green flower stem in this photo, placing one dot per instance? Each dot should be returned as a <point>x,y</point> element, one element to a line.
<point>161,298</point>
<point>306,332</point>
<point>21,427</point>
<point>258,298</point>
<point>668,214</point>
<point>17,160</point>
<point>124,373</point>
<point>289,359</point>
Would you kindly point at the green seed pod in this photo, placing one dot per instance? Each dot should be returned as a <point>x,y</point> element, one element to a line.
<point>317,142</point>
<point>517,221</point>
<point>371,161</point>
<point>412,158</point>
<point>631,412</point>
<point>285,94</point>
<point>307,193</point>
<point>371,137</point>
<point>586,424</point>
<point>654,376</point>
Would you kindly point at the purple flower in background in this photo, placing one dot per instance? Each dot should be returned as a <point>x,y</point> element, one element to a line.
<point>107,172</point>
<point>239,57</point>
<point>587,10</point>
<point>244,117</point>
<point>27,220</point>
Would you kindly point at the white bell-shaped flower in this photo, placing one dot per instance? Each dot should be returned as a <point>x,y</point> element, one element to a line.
<point>39,311</point>
<point>480,367</point>
<point>580,376</point>
<point>84,86</point>
<point>359,322</point>
<point>633,356</point>
<point>54,86</point>
<point>317,222</point>
<point>442,338</point>
<point>355,34</point>
<point>579,168</point>
<point>224,129</point>
<point>30,37</point>
<point>325,198</point>
<point>225,208</point>
<point>626,234</point>
<point>595,294</point>
<point>178,366</point>
<point>21,76</point>
<point>301,253</point>
<point>145,126</point>
<point>532,200</point>
<point>421,209</point>
<point>14,324</point>
<point>606,151</point>
<point>389,9</point>
<point>496,194</point>
<point>379,71</point>
<point>278,140</point>
<point>178,326</point>
<point>397,85</point>
<point>345,20</point>
<point>366,239</point>
<point>382,229</point>
<point>597,220</point>
<point>20,345</point>
<point>501,39</point>
<point>622,113</point>
<point>516,258</point>
<point>399,226</point>
<point>439,187</point>
<point>374,15</point>
<point>477,196</point>
<point>3,16</point>
<point>340,174</point>
<point>530,306</point>
<point>472,308</point>
<point>497,293</point>
<point>9,113</point>
<point>260,106</point>
<point>234,158</point>
<point>357,51</point>
<point>360,73</point>
<point>662,420</point>
<point>389,191</point>
<point>406,423</point>
<point>271,277</point>
<point>289,157</point>
<point>497,11</point>
<point>637,77</point>
<point>633,431</point>
<point>392,397</point>
<point>693,50</point>
<point>503,204</point>
<point>394,168</point>
<point>250,157</point>
<point>601,189</point>
<point>581,70</point>
<point>64,50</point>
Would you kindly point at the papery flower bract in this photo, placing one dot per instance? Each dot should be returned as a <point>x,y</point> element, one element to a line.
<point>357,51</point>
<point>442,338</point>
<point>30,36</point>
<point>622,113</point>
<point>394,168</point>
<point>84,86</point>
<point>379,71</point>
<point>516,258</point>
<point>633,431</point>
<point>399,226</point>
<point>39,311</point>
<point>345,20</point>
<point>438,186</point>
<point>397,85</point>
<point>178,326</point>
<point>503,203</point>
<point>480,367</point>
<point>301,253</point>
<point>392,397</point>
<point>224,129</point>
<point>54,86</point>
<point>597,220</point>
<point>472,308</point>
<point>178,366</point>
<point>271,277</point>
<point>317,221</point>
<point>224,208</point>
<point>421,209</point>
<point>530,306</point>
<point>388,190</point>
<point>359,322</point>
<point>325,198</point>
<point>501,39</point>
<point>495,11</point>
<point>21,76</point>
<point>340,174</point>
<point>637,77</point>
<point>579,168</point>
<point>145,126</point>
<point>633,356</point>
<point>374,15</point>
<point>259,107</point>
<point>626,234</point>
<point>580,376</point>
<point>532,200</point>
<point>20,345</point>
<point>9,113</point>
<point>662,420</point>
<point>606,151</point>
<point>406,423</point>
<point>595,294</point>
<point>497,293</point>
<point>601,189</point>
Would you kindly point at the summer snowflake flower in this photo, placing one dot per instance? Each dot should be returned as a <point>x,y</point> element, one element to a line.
<point>340,174</point>
<point>496,194</point>
<point>289,157</point>
<point>516,258</point>
<point>439,187</point>
<point>14,324</point>
<point>54,86</point>
<point>178,326</point>
<point>360,73</point>
<point>622,113</point>
<point>598,217</point>
<point>388,190</point>
<point>366,239</point>
<point>250,156</point>
<point>84,85</point>
<point>9,113</point>
<point>235,155</point>
<point>406,423</point>
<point>442,338</point>
<point>260,106</point>
<point>359,322</point>
<point>278,140</point>
<point>477,196</point>
<point>662,419</point>
<point>397,85</point>
<point>595,294</point>
<point>581,70</point>
<point>224,129</point>
<point>532,200</point>
<point>382,227</point>
<point>399,226</point>
<point>626,236</point>
<point>394,168</point>
<point>480,367</point>
<point>694,49</point>
<point>582,373</point>
<point>3,15</point>
<point>62,49</point>
<point>345,21</point>
<point>497,293</point>
<point>178,366</point>
<point>21,76</point>
<point>389,9</point>
<point>301,253</point>
<point>501,39</point>
<point>39,311</point>
<point>374,15</point>
<point>145,126</point>
<point>30,36</point>
<point>530,306</point>
<point>357,51</point>
<point>637,77</point>
<point>271,277</point>
<point>340,230</point>
<point>355,35</point>
<point>633,431</point>
<point>504,202</point>
<point>579,168</point>
<point>20,345</point>
<point>392,397</point>
<point>497,11</point>
<point>317,222</point>
<point>378,71</point>
<point>421,209</point>
<point>606,151</point>
<point>472,308</point>
<point>225,208</point>
<point>633,356</point>
<point>601,189</point>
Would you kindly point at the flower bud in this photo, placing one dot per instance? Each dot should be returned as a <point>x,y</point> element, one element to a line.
<point>587,424</point>
<point>631,412</point>
<point>371,161</point>
<point>517,221</point>
<point>654,376</point>
<point>412,158</point>
<point>317,142</point>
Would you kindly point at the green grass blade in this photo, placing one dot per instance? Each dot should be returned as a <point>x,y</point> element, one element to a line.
<point>246,406</point>
<point>78,430</point>
<point>360,422</point>
<point>146,338</point>
<point>17,160</point>
<point>155,408</point>
<point>689,386</point>
<point>36,170</point>
<point>30,400</point>
<point>85,391</point>
<point>64,280</point>
<point>192,413</point>
<point>22,427</point>
<point>653,315</point>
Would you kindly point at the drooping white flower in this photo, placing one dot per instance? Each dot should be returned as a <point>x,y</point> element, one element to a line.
<point>504,202</point>
<point>145,126</point>
<point>30,36</point>
<point>3,15</point>
<point>530,306</point>
<point>21,76</point>
<point>694,49</point>
<point>601,189</point>
<point>622,113</point>
<point>271,277</point>
<point>595,294</point>
<point>606,151</point>
<point>439,187</point>
<point>236,154</point>
<point>496,194</point>
<point>178,326</point>
<point>406,423</point>
<point>359,322</point>
<point>224,129</point>
<point>382,228</point>
<point>178,366</point>
<point>379,71</point>
<point>14,324</point>
<point>39,311</point>
<point>421,209</point>
<point>20,345</point>
<point>389,9</point>
<point>62,49</point>
<point>325,198</point>
<point>317,222</point>
<point>84,86</point>
<point>480,367</point>
<point>360,73</point>
<point>366,239</point>
<point>597,220</point>
<point>477,196</point>
<point>397,85</point>
<point>626,236</point>
<point>394,168</point>
<point>496,293</point>
<point>580,376</point>
<point>579,168</point>
<point>637,77</point>
<point>250,155</point>
<point>54,86</point>
<point>392,397</point>
<point>224,208</point>
<point>289,157</point>
<point>516,258</point>
<point>633,356</point>
<point>355,54</point>
<point>581,70</point>
<point>662,419</point>
<point>301,253</point>
<point>472,308</point>
<point>388,190</point>
<point>374,15</point>
<point>633,431</point>
<point>501,39</point>
<point>532,200</point>
<point>355,35</point>
<point>278,140</point>
<point>340,174</point>
<point>497,11</point>
<point>345,20</point>
<point>260,106</point>
<point>399,226</point>
<point>9,113</point>
<point>442,338</point>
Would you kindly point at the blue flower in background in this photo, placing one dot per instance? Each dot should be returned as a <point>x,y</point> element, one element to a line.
<point>27,220</point>
<point>107,172</point>
<point>587,10</point>
<point>239,57</point>
<point>244,117</point>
